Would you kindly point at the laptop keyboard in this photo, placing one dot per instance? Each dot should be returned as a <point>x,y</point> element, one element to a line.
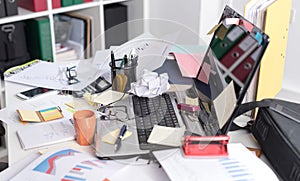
<point>152,111</point>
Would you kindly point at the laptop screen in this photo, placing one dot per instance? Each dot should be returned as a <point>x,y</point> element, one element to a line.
<point>229,65</point>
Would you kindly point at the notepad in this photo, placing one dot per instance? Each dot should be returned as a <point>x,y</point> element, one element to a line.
<point>48,114</point>
<point>49,133</point>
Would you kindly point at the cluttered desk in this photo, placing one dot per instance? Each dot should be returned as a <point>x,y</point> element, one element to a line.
<point>159,117</point>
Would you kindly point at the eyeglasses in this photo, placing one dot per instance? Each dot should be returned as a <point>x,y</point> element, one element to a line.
<point>71,75</point>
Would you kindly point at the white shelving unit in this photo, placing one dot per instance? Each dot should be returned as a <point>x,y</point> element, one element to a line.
<point>95,9</point>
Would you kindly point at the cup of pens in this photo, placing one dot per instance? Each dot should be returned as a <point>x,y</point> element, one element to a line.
<point>123,72</point>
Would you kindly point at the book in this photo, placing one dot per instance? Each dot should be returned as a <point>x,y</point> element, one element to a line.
<point>44,115</point>
<point>39,38</point>
<point>39,135</point>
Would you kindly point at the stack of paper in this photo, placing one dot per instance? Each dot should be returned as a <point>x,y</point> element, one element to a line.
<point>241,164</point>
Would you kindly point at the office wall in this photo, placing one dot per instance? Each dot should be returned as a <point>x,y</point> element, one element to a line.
<point>291,78</point>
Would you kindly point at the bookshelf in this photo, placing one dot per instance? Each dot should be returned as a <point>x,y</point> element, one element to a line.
<point>94,9</point>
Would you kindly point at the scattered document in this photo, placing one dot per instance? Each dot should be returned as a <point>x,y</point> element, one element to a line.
<point>189,64</point>
<point>225,104</point>
<point>70,164</point>
<point>107,97</point>
<point>43,134</point>
<point>53,75</point>
<point>241,164</point>
<point>150,84</point>
<point>168,136</point>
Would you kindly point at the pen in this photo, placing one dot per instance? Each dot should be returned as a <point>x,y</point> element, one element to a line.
<point>113,67</point>
<point>119,139</point>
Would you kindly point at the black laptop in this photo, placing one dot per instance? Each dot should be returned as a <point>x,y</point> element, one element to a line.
<point>232,58</point>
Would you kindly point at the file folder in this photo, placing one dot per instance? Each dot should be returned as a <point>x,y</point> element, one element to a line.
<point>239,52</point>
<point>221,47</point>
<point>243,70</point>
<point>277,20</point>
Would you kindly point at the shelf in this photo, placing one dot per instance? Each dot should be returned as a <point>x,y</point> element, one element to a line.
<point>24,14</point>
<point>76,7</point>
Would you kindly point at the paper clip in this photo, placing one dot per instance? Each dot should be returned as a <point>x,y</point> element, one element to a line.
<point>205,146</point>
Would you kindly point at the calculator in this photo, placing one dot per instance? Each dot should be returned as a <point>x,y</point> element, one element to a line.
<point>99,85</point>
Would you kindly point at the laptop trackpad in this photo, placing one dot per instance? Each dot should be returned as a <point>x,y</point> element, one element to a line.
<point>129,146</point>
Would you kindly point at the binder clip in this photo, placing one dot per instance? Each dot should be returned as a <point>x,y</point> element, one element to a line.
<point>205,146</point>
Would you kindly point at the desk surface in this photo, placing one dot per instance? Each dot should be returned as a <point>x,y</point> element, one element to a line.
<point>16,153</point>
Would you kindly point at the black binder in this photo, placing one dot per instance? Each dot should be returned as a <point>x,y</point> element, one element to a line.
<point>11,7</point>
<point>2,9</point>
<point>115,16</point>
<point>13,47</point>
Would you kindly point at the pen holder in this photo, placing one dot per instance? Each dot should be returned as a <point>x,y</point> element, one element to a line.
<point>122,75</point>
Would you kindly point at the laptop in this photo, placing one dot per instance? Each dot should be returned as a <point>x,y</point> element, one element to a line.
<point>233,56</point>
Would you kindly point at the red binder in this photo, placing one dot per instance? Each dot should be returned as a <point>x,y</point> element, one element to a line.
<point>33,5</point>
<point>239,52</point>
<point>88,1</point>
<point>56,4</point>
<point>242,71</point>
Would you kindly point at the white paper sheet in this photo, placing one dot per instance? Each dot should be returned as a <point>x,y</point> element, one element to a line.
<point>69,164</point>
<point>241,164</point>
<point>53,75</point>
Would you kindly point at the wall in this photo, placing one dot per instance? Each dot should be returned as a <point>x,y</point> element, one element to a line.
<point>291,81</point>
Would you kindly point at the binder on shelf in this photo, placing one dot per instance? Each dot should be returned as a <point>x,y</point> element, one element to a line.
<point>234,35</point>
<point>77,1</point>
<point>13,41</point>
<point>39,38</point>
<point>239,52</point>
<point>11,7</point>
<point>56,4</point>
<point>33,5</point>
<point>87,1</point>
<point>65,3</point>
<point>116,30</point>
<point>2,9</point>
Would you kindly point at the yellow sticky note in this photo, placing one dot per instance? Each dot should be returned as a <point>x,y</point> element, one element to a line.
<point>213,29</point>
<point>191,101</point>
<point>111,137</point>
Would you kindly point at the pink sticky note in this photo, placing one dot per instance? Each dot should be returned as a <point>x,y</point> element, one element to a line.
<point>204,73</point>
<point>189,64</point>
<point>247,25</point>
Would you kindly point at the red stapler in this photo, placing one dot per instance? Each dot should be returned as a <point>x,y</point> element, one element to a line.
<point>205,146</point>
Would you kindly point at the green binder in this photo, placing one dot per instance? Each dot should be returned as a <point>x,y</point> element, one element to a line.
<point>77,1</point>
<point>38,37</point>
<point>65,3</point>
<point>221,47</point>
